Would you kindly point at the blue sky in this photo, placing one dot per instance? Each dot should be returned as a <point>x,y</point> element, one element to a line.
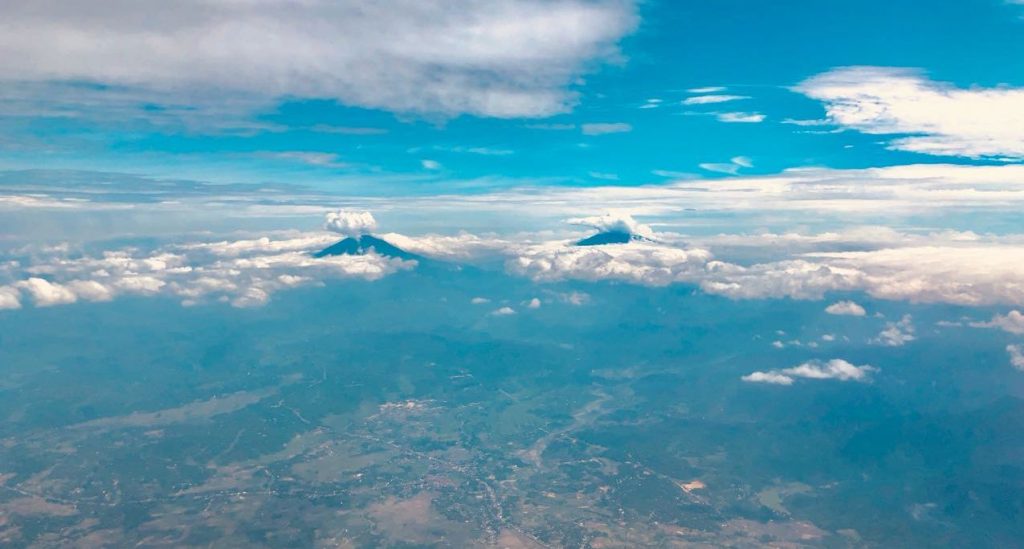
<point>629,78</point>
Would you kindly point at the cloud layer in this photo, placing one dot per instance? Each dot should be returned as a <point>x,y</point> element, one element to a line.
<point>243,273</point>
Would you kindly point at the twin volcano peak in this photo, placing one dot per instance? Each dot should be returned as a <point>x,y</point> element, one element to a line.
<point>364,244</point>
<point>612,237</point>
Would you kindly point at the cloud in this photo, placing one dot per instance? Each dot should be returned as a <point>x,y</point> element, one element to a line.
<point>837,369</point>
<point>46,293</point>
<point>430,164</point>
<point>848,308</point>
<point>514,59</point>
<point>311,158</point>
<point>1012,322</point>
<point>1016,356</point>
<point>774,378</point>
<point>503,311</point>
<point>707,89</point>
<point>479,300</point>
<point>732,167</point>
<point>10,298</point>
<point>350,223</point>
<point>90,290</point>
<point>243,273</point>
<point>602,128</point>
<point>741,117</point>
<point>614,222</point>
<point>938,118</point>
<point>639,263</point>
<point>712,99</point>
<point>896,334</point>
<point>534,303</point>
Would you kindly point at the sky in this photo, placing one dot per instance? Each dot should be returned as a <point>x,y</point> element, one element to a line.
<point>783,150</point>
<point>420,96</point>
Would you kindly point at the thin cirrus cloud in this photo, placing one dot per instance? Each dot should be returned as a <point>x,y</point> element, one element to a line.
<point>602,128</point>
<point>936,118</point>
<point>741,117</point>
<point>712,99</point>
<point>513,59</point>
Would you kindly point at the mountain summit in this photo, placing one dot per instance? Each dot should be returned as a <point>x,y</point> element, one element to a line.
<point>612,237</point>
<point>364,244</point>
<point>614,228</point>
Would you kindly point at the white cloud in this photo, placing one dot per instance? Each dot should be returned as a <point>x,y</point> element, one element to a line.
<point>1016,356</point>
<point>940,118</point>
<point>1012,322</point>
<point>602,128</point>
<point>837,369</point>
<point>244,273</point>
<point>46,293</point>
<point>640,263</point>
<point>533,303</point>
<point>453,247</point>
<point>10,298</point>
<point>707,89</point>
<point>732,167</point>
<point>896,334</point>
<point>430,164</point>
<point>512,59</point>
<point>848,308</point>
<point>741,117</point>
<point>614,222</point>
<point>479,300</point>
<point>712,99</point>
<point>90,290</point>
<point>503,311</point>
<point>350,223</point>
<point>774,378</point>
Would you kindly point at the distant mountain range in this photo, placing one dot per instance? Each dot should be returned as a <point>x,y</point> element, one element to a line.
<point>364,244</point>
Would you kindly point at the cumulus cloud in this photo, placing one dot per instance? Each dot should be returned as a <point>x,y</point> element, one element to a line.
<point>45,293</point>
<point>848,308</point>
<point>512,59</point>
<point>1012,322</point>
<point>350,223</point>
<point>1016,356</point>
<point>837,369</point>
<point>10,298</point>
<point>774,378</point>
<point>896,334</point>
<point>533,303</point>
<point>939,118</point>
<point>614,222</point>
<point>503,311</point>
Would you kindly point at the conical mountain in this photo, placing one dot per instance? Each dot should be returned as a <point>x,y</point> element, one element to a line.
<point>364,244</point>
